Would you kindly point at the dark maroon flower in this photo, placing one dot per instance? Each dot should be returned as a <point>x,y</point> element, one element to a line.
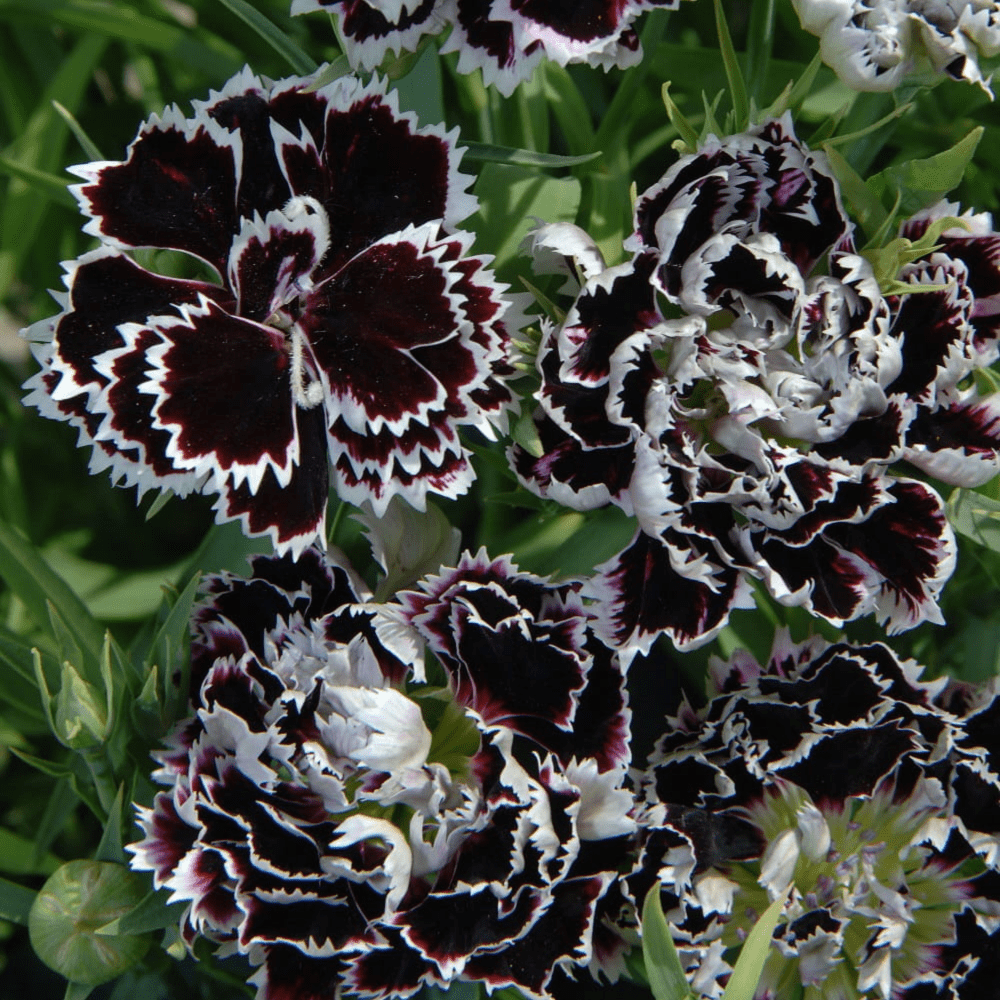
<point>342,824</point>
<point>831,777</point>
<point>506,39</point>
<point>743,387</point>
<point>350,330</point>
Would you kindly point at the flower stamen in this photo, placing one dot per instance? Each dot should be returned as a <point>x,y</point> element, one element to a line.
<point>306,396</point>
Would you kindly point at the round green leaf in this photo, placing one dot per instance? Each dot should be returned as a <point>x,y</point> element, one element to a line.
<point>67,916</point>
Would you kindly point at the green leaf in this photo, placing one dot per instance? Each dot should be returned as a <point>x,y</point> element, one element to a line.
<point>18,684</point>
<point>569,108</point>
<point>163,498</point>
<point>300,62</point>
<point>62,801</point>
<point>69,651</point>
<point>742,983</point>
<point>568,543</point>
<point>517,498</point>
<point>551,309</point>
<point>525,433</point>
<point>737,85</point>
<point>41,147</point>
<point>924,182</point>
<point>196,47</point>
<point>687,131</point>
<point>78,991</point>
<point>151,913</point>
<point>18,856</point>
<point>454,737</point>
<point>82,787</point>
<point>52,768</point>
<point>619,118</point>
<point>483,152</point>
<point>801,88</point>
<point>828,126</point>
<point>87,144</point>
<point>850,137</point>
<point>760,41</point>
<point>975,516</point>
<point>54,188</point>
<point>420,90</point>
<point>865,205</point>
<point>663,964</point>
<point>711,126</point>
<point>35,583</point>
<point>170,638</point>
<point>110,847</point>
<point>15,902</point>
<point>466,991</point>
<point>328,72</point>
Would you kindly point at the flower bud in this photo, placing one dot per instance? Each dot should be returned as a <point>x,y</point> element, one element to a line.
<point>82,718</point>
<point>69,917</point>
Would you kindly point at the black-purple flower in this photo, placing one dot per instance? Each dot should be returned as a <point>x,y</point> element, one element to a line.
<point>744,388</point>
<point>346,328</point>
<point>831,777</point>
<point>344,825</point>
<point>505,39</point>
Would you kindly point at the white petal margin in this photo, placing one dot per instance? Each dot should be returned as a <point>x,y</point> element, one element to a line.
<point>563,248</point>
<point>605,807</point>
<point>396,867</point>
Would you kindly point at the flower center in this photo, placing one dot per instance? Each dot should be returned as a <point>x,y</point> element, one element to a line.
<point>868,890</point>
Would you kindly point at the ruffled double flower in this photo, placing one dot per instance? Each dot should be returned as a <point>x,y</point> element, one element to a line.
<point>344,330</point>
<point>875,46</point>
<point>506,39</point>
<point>834,778</point>
<point>746,391</point>
<point>343,824</point>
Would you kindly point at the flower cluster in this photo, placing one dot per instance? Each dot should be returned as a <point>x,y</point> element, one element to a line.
<point>351,329</point>
<point>506,39</point>
<point>830,777</point>
<point>344,825</point>
<point>875,46</point>
<point>746,390</point>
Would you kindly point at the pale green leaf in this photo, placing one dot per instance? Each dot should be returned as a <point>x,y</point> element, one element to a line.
<point>87,144</point>
<point>663,964</point>
<point>975,516</point>
<point>737,85</point>
<point>746,973</point>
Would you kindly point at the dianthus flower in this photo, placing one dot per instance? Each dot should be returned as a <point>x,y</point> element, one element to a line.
<point>506,39</point>
<point>830,777</point>
<point>345,826</point>
<point>350,329</point>
<point>874,46</point>
<point>745,389</point>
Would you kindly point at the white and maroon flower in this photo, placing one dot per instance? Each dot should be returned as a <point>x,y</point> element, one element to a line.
<point>505,39</point>
<point>743,387</point>
<point>347,327</point>
<point>345,826</point>
<point>832,777</point>
<point>948,334</point>
<point>874,46</point>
